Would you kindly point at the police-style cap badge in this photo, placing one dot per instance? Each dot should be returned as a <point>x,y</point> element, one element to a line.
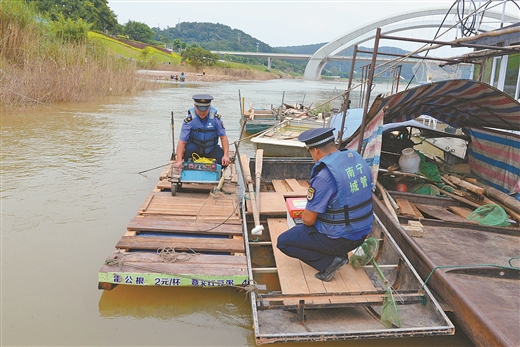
<point>317,137</point>
<point>202,101</point>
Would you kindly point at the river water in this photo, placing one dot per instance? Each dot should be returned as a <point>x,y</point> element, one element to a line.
<point>70,185</point>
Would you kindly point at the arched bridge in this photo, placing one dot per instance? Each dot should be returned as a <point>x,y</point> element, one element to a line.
<point>396,23</point>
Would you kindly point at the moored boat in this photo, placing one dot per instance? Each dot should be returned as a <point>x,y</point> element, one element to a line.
<point>454,234</point>
<point>282,140</point>
<point>294,306</point>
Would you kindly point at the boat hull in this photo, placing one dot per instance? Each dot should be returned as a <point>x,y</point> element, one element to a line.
<point>484,301</point>
<point>303,308</point>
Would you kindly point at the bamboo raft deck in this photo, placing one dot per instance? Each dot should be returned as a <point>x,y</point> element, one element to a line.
<point>191,239</point>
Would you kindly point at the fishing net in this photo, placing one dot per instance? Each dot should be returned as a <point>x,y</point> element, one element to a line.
<point>390,314</point>
<point>430,170</point>
<point>425,189</point>
<point>490,214</point>
<point>432,71</point>
<point>364,254</point>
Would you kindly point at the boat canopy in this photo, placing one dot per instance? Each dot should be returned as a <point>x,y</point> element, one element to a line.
<point>458,103</point>
<point>424,130</point>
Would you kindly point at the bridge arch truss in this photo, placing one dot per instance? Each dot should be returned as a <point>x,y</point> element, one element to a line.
<point>397,23</point>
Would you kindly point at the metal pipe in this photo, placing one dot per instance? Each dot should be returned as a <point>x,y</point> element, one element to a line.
<point>369,89</point>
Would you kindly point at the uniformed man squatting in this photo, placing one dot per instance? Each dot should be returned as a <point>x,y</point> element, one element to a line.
<point>338,215</point>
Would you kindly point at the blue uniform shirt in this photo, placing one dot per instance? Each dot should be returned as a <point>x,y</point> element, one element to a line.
<point>215,122</point>
<point>322,190</point>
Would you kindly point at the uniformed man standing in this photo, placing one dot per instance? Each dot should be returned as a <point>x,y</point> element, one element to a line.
<point>200,132</point>
<point>338,215</point>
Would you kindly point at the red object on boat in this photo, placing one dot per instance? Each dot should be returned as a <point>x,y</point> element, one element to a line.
<point>401,187</point>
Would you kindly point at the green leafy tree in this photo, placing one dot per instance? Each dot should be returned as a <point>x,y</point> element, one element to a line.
<point>177,44</point>
<point>198,56</point>
<point>139,31</point>
<point>69,30</point>
<point>95,12</point>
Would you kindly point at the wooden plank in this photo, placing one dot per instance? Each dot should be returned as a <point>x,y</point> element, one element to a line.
<point>439,213</point>
<point>180,226</point>
<point>280,186</point>
<point>182,244</point>
<point>204,219</point>
<point>290,272</point>
<point>405,208</point>
<point>297,277</point>
<point>166,171</point>
<point>163,184</point>
<point>416,211</point>
<point>295,185</point>
<point>314,285</point>
<point>271,203</point>
<point>202,206</point>
<point>305,184</point>
<point>464,212</point>
<point>354,281</point>
<point>194,258</point>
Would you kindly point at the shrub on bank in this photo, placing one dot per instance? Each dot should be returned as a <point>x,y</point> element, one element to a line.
<point>44,62</point>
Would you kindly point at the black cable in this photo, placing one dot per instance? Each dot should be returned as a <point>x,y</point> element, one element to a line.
<point>437,33</point>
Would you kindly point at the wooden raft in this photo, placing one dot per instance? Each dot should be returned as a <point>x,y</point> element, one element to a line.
<point>191,239</point>
<point>295,276</point>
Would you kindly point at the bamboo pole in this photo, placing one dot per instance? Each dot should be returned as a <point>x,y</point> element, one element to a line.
<point>496,194</point>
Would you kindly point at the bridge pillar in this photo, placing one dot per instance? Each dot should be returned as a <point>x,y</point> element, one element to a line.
<point>269,63</point>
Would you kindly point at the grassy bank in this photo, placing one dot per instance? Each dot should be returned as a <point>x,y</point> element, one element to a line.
<point>38,67</point>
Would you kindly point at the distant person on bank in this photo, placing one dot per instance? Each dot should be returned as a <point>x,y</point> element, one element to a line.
<point>201,131</point>
<point>338,214</point>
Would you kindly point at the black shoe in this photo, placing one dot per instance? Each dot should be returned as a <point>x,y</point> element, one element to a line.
<point>328,274</point>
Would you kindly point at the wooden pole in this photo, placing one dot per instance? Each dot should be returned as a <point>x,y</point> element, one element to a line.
<point>258,166</point>
<point>244,164</point>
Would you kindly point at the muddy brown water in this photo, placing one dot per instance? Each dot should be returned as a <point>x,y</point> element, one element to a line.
<point>70,185</point>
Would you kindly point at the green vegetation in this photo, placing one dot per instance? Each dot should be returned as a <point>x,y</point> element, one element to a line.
<point>145,57</point>
<point>139,31</point>
<point>42,61</point>
<point>198,56</point>
<point>95,12</point>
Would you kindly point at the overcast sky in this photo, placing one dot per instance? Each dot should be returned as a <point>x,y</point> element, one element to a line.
<point>277,23</point>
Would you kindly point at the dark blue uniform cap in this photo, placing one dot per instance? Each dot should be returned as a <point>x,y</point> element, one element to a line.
<point>202,101</point>
<point>317,137</point>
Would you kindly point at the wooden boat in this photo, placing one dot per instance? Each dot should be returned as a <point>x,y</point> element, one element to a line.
<point>294,306</point>
<point>282,140</point>
<point>467,265</point>
<point>470,266</point>
<point>258,120</point>
<point>168,230</point>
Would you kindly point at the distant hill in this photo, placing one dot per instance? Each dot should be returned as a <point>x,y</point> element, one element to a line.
<point>214,37</point>
<point>219,37</point>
